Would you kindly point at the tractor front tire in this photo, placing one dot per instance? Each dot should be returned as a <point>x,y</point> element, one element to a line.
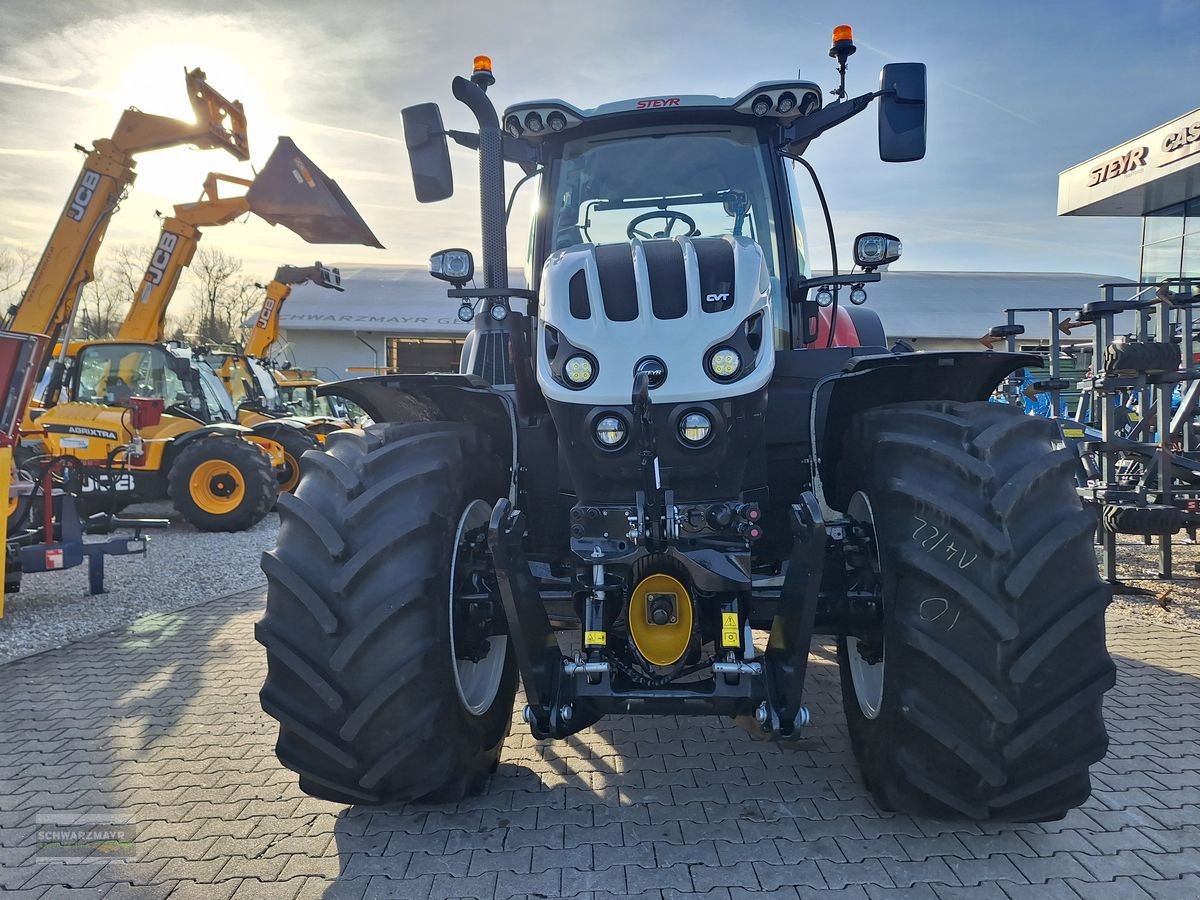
<point>374,704</point>
<point>981,695</point>
<point>221,483</point>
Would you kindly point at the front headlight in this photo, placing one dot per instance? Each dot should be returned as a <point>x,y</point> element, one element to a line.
<point>579,371</point>
<point>610,432</point>
<point>695,427</point>
<point>724,363</point>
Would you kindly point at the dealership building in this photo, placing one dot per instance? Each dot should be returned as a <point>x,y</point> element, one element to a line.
<point>1155,177</point>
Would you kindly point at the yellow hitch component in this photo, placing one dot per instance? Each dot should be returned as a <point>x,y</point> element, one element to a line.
<point>272,448</point>
<point>660,619</point>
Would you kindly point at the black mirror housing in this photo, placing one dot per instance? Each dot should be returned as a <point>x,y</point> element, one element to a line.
<point>428,153</point>
<point>902,112</point>
<point>873,249</point>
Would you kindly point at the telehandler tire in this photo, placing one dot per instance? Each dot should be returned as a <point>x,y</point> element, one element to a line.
<point>981,695</point>
<point>373,702</point>
<point>295,442</point>
<point>221,483</point>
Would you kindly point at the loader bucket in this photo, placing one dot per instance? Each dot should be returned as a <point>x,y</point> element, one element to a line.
<point>291,191</point>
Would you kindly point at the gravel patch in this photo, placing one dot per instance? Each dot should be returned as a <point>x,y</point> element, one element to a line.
<point>181,567</point>
<point>1175,602</point>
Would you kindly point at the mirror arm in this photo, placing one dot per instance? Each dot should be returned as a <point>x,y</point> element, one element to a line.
<point>838,280</point>
<point>517,152</point>
<point>808,127</point>
<point>468,139</point>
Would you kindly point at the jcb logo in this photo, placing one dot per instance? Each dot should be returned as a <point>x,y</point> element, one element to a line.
<point>264,317</point>
<point>83,195</point>
<point>717,298</point>
<point>162,257</point>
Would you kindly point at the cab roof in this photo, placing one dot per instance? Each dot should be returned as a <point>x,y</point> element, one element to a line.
<point>782,101</point>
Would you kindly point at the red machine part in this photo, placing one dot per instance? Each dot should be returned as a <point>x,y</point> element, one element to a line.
<point>844,332</point>
<point>144,412</point>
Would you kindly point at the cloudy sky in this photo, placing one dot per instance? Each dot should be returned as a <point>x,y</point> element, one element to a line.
<point>1018,91</point>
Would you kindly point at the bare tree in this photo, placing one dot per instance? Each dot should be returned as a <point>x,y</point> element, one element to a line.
<point>106,300</point>
<point>16,267</point>
<point>224,296</point>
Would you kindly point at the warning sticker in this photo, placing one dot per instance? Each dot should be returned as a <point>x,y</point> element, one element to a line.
<point>54,559</point>
<point>729,630</point>
<point>595,638</point>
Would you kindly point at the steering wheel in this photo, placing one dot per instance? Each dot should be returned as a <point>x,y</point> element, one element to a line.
<point>671,215</point>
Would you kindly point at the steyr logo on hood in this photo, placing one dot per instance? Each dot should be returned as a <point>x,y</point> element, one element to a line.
<point>654,367</point>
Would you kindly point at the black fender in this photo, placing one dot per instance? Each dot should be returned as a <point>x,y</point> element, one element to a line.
<point>275,426</point>
<point>231,429</point>
<point>444,398</point>
<point>865,382</point>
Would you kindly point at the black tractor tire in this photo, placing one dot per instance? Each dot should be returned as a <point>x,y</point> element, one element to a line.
<point>360,672</point>
<point>994,656</point>
<point>1133,357</point>
<point>1143,520</point>
<point>295,442</point>
<point>239,463</point>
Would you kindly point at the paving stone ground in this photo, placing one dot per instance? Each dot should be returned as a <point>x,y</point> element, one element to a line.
<point>160,724</point>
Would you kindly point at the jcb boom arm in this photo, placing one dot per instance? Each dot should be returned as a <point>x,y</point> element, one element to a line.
<point>265,330</point>
<point>68,261</point>
<point>146,319</point>
<point>290,190</point>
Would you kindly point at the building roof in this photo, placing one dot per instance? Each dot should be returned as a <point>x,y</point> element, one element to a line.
<point>394,299</point>
<point>406,300</point>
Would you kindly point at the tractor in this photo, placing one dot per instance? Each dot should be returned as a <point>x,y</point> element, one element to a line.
<point>667,466</point>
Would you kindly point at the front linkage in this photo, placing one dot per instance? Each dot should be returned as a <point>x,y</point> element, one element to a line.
<point>567,694</point>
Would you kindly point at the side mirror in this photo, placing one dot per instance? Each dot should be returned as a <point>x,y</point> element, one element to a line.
<point>455,265</point>
<point>874,249</point>
<point>428,153</point>
<point>902,112</point>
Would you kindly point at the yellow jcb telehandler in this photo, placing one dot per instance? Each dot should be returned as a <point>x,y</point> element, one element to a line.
<point>199,454</point>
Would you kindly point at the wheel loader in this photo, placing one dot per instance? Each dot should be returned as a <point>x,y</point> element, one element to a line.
<point>668,466</point>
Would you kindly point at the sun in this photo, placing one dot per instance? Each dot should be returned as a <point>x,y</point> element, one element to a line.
<point>151,78</point>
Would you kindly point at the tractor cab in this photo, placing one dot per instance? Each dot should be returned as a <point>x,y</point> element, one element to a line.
<point>109,373</point>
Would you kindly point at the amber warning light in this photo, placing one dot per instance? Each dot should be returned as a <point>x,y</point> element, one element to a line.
<point>482,73</point>
<point>840,33</point>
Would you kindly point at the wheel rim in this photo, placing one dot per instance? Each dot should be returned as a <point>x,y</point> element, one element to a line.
<point>217,487</point>
<point>288,474</point>
<point>477,682</point>
<point>866,677</point>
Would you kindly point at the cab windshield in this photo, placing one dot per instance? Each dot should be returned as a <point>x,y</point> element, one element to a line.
<point>112,373</point>
<point>216,398</point>
<point>702,181</point>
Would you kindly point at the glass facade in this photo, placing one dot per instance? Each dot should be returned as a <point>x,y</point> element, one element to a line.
<point>1171,242</point>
